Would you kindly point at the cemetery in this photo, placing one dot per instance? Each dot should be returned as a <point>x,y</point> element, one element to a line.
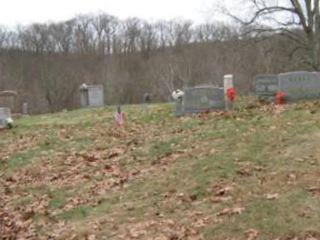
<point>177,120</point>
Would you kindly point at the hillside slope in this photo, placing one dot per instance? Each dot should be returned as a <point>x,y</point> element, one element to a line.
<point>250,174</point>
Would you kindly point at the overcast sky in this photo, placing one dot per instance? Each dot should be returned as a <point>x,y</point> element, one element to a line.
<point>14,12</point>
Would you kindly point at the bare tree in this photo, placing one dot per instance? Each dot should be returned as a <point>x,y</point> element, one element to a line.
<point>148,41</point>
<point>174,33</point>
<point>84,34</point>
<point>3,36</point>
<point>34,37</point>
<point>105,28</point>
<point>219,31</point>
<point>62,36</point>
<point>132,32</point>
<point>297,20</point>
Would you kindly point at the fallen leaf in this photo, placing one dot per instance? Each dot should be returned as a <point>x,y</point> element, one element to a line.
<point>115,152</point>
<point>244,172</point>
<point>315,191</point>
<point>220,199</point>
<point>272,196</point>
<point>203,222</point>
<point>213,151</point>
<point>223,191</point>
<point>292,178</point>
<point>91,237</point>
<point>252,234</point>
<point>231,211</point>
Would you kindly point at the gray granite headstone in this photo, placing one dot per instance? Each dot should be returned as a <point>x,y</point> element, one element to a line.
<point>296,85</point>
<point>178,111</point>
<point>266,86</point>
<point>201,99</point>
<point>300,85</point>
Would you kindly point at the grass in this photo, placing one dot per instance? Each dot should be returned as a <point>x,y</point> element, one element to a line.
<point>159,176</point>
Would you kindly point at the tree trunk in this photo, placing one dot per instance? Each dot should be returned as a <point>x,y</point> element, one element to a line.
<point>317,36</point>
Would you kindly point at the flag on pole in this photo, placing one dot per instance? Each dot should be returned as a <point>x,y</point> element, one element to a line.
<point>119,117</point>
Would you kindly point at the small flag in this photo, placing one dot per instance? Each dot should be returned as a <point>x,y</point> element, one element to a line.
<point>119,117</point>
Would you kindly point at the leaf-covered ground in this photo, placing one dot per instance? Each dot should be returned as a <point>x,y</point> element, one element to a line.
<point>250,174</point>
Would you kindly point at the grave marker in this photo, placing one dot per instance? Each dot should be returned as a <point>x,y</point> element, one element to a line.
<point>147,101</point>
<point>199,99</point>
<point>25,109</point>
<point>147,98</point>
<point>293,86</point>
<point>227,82</point>
<point>229,91</point>
<point>5,115</point>
<point>300,85</point>
<point>177,96</point>
<point>8,99</point>
<point>266,86</point>
<point>91,95</point>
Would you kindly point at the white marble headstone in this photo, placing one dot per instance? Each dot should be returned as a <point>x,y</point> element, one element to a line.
<point>5,113</point>
<point>227,82</point>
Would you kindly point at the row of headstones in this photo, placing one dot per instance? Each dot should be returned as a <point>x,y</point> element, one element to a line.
<point>203,98</point>
<point>286,87</point>
<point>295,85</point>
<point>291,86</point>
<point>93,96</point>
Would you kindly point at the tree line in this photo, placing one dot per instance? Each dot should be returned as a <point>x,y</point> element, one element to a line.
<point>46,63</point>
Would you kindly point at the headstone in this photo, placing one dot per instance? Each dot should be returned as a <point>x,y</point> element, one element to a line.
<point>202,98</point>
<point>147,98</point>
<point>177,96</point>
<point>5,114</point>
<point>25,108</point>
<point>84,98</point>
<point>266,87</point>
<point>7,99</point>
<point>91,95</point>
<point>294,86</point>
<point>147,101</point>
<point>300,85</point>
<point>227,82</point>
<point>178,111</point>
<point>228,85</point>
